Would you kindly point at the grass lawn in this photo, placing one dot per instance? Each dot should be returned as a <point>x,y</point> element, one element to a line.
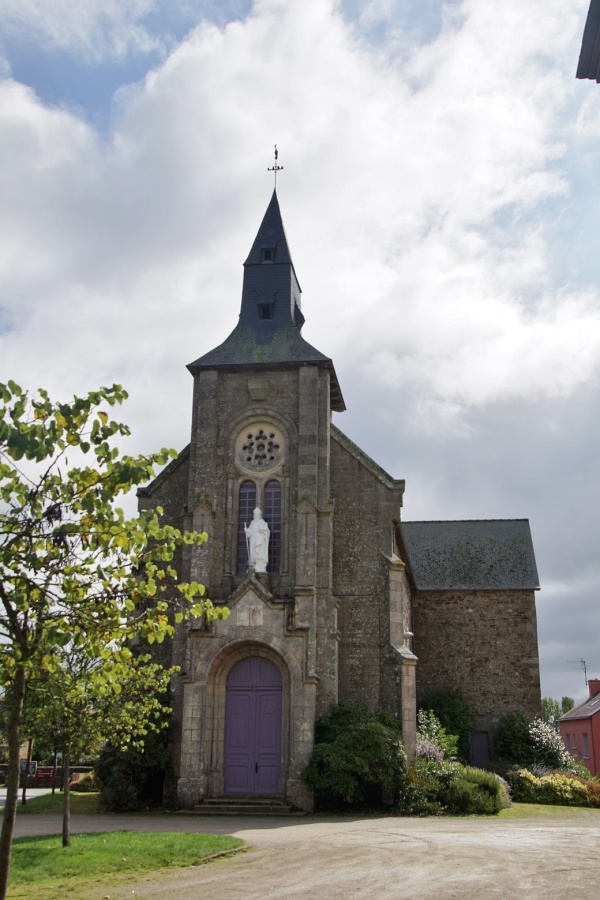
<point>42,869</point>
<point>52,803</point>
<point>545,811</point>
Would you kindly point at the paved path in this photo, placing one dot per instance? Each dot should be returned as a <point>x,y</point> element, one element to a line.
<point>31,792</point>
<point>540,858</point>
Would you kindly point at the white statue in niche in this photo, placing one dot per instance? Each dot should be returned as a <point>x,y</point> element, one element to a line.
<point>257,540</point>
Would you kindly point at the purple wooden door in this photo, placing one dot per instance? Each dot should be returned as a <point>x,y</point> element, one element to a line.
<point>253,728</point>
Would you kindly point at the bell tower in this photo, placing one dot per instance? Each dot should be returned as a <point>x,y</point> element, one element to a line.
<point>261,442</point>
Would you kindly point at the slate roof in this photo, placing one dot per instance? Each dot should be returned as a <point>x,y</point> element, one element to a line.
<point>586,709</point>
<point>483,555</point>
<point>589,58</point>
<point>268,330</point>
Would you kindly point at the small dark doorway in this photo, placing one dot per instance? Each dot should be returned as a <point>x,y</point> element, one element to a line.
<point>253,728</point>
<point>480,749</point>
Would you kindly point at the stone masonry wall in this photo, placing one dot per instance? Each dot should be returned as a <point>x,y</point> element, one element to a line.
<point>483,642</point>
<point>365,508</point>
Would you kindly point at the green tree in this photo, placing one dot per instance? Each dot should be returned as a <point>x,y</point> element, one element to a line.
<point>83,701</point>
<point>552,710</point>
<point>73,569</point>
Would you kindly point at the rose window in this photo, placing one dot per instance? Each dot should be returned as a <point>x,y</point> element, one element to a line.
<point>259,447</point>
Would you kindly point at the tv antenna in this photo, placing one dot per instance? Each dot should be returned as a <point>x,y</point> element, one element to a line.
<point>580,664</point>
<point>275,168</point>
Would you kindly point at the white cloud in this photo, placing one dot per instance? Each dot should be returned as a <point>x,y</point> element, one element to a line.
<point>412,192</point>
<point>423,194</point>
<point>94,28</point>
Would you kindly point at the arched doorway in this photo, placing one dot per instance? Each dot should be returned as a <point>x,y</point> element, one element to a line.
<point>253,727</point>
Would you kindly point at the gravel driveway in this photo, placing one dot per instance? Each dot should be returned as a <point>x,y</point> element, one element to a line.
<point>545,857</point>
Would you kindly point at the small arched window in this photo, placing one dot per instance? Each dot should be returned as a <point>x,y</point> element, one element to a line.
<point>246,504</point>
<point>272,516</point>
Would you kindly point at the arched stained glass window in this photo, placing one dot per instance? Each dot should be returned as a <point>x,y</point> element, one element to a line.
<point>247,502</point>
<point>272,516</point>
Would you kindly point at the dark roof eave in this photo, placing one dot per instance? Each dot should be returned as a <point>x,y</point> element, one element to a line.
<point>581,715</point>
<point>480,588</point>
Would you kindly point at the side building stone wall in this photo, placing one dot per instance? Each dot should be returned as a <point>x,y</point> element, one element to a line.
<point>366,502</point>
<point>483,642</point>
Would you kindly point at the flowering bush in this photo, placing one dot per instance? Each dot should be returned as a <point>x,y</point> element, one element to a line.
<point>534,744</point>
<point>426,749</point>
<point>431,730</point>
<point>454,712</point>
<point>548,748</point>
<point>554,788</point>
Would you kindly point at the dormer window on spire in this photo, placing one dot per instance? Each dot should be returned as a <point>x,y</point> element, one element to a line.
<point>267,255</point>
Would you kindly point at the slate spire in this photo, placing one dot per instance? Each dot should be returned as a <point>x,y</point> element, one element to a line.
<point>271,290</point>
<point>268,330</point>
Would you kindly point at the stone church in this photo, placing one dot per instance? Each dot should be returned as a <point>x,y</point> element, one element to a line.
<point>337,598</point>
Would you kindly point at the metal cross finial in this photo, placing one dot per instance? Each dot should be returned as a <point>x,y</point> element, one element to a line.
<point>275,168</point>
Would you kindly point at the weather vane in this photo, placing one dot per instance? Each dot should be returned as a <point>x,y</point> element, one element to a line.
<point>275,168</point>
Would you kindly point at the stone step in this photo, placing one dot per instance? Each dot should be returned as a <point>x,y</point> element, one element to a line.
<point>242,806</point>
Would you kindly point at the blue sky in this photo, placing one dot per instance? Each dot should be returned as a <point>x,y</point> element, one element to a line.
<point>440,185</point>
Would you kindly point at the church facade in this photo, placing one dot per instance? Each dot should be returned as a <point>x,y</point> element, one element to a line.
<point>332,596</point>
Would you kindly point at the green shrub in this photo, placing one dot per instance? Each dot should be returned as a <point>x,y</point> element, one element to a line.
<point>475,792</point>
<point>455,714</point>
<point>419,793</point>
<point>467,798</point>
<point>358,758</point>
<point>344,716</point>
<point>86,785</point>
<point>504,791</point>
<point>431,788</point>
<point>512,741</point>
<point>593,789</point>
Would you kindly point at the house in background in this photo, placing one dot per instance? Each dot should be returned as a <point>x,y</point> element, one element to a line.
<point>580,729</point>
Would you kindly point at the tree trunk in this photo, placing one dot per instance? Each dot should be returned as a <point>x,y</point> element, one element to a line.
<point>66,831</point>
<point>16,695</point>
<point>54,767</point>
<point>26,776</point>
